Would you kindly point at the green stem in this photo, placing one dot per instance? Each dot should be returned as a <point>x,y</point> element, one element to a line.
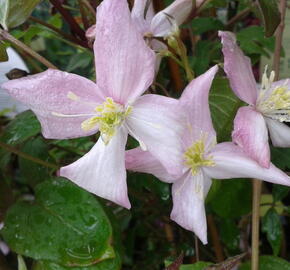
<point>257,188</point>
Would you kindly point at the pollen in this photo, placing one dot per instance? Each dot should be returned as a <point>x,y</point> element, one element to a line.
<point>195,157</point>
<point>109,116</point>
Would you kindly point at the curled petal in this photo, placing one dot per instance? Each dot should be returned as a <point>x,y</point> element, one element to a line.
<point>238,69</point>
<point>279,133</point>
<point>102,170</point>
<point>195,100</point>
<point>163,22</point>
<point>232,162</point>
<point>124,63</point>
<point>188,203</point>
<point>58,92</point>
<point>158,123</point>
<point>250,133</point>
<point>138,160</point>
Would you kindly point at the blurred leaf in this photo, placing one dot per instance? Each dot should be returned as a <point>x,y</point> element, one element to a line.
<point>270,15</point>
<point>267,202</point>
<point>224,105</point>
<point>21,263</point>
<point>271,225</point>
<point>280,192</point>
<point>268,263</point>
<point>204,24</point>
<point>3,53</point>
<point>281,157</point>
<point>30,171</point>
<point>79,60</point>
<point>6,198</point>
<point>15,12</point>
<point>195,266</point>
<point>233,199</point>
<point>230,234</point>
<point>24,126</point>
<point>176,264</point>
<point>65,224</point>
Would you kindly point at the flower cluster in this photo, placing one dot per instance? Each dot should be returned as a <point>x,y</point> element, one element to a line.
<point>177,139</point>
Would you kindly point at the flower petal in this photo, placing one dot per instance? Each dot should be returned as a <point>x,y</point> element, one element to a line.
<point>159,123</point>
<point>238,69</point>
<point>163,22</point>
<point>142,15</point>
<point>279,133</point>
<point>124,63</point>
<point>188,203</point>
<point>251,134</point>
<point>47,93</point>
<point>138,160</point>
<point>232,162</point>
<point>195,99</point>
<point>102,170</point>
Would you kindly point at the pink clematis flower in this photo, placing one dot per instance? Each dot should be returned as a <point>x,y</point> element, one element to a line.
<point>203,159</point>
<point>269,105</point>
<point>70,106</point>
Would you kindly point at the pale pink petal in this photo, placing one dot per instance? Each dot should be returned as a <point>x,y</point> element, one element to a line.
<point>238,69</point>
<point>163,22</point>
<point>91,32</point>
<point>232,162</point>
<point>251,134</point>
<point>138,160</point>
<point>279,133</point>
<point>124,63</point>
<point>141,16</point>
<point>284,82</point>
<point>158,122</point>
<point>102,170</point>
<point>195,100</point>
<point>47,93</point>
<point>188,210</point>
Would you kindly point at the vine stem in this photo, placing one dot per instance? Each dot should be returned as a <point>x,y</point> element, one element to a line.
<point>6,36</point>
<point>279,38</point>
<point>257,188</point>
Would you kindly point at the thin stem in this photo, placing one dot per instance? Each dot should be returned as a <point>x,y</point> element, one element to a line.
<point>11,149</point>
<point>89,7</point>
<point>239,16</point>
<point>6,36</point>
<point>196,247</point>
<point>257,188</point>
<point>279,39</point>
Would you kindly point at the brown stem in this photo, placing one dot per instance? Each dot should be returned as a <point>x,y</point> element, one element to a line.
<point>6,36</point>
<point>175,75</point>
<point>196,248</point>
<point>239,16</point>
<point>217,246</point>
<point>11,149</point>
<point>279,38</point>
<point>257,188</point>
<point>69,19</point>
<point>60,32</point>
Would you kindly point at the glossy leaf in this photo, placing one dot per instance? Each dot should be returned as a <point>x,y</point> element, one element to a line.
<point>268,263</point>
<point>271,225</point>
<point>270,14</point>
<point>15,12</point>
<point>64,224</point>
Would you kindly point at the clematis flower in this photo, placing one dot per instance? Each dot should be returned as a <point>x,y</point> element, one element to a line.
<point>269,105</point>
<point>70,106</point>
<point>203,159</point>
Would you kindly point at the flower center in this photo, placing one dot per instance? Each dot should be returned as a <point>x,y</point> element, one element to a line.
<point>195,157</point>
<point>274,102</point>
<point>109,116</point>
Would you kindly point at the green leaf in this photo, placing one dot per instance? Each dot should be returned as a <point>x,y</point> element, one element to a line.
<point>270,15</point>
<point>230,234</point>
<point>21,263</point>
<point>31,172</point>
<point>268,263</point>
<point>271,225</point>
<point>15,12</point>
<point>24,126</point>
<point>224,105</point>
<point>195,266</point>
<point>204,24</point>
<point>280,192</point>
<point>233,198</point>
<point>3,53</point>
<point>281,157</point>
<point>64,224</point>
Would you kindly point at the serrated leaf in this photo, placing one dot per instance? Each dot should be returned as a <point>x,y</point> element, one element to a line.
<point>15,12</point>
<point>271,225</point>
<point>64,224</point>
<point>24,126</point>
<point>3,53</point>
<point>268,263</point>
<point>223,105</point>
<point>270,15</point>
